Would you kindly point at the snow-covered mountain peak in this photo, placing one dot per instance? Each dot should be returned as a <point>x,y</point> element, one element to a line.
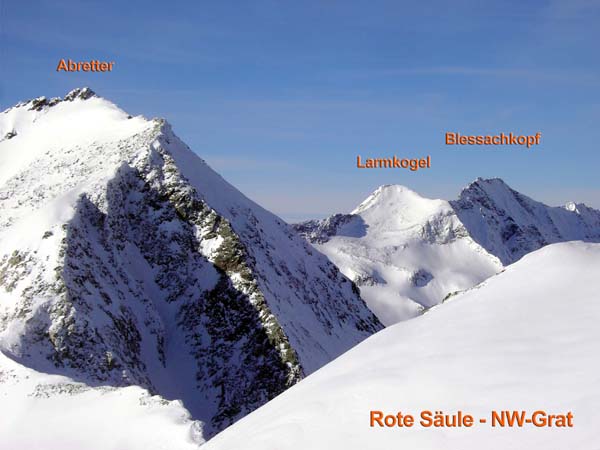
<point>488,183</point>
<point>83,93</point>
<point>80,118</point>
<point>126,260</point>
<point>406,252</point>
<point>387,195</point>
<point>494,181</point>
<point>398,208</point>
<point>41,103</point>
<point>57,150</point>
<point>509,224</point>
<point>494,188</point>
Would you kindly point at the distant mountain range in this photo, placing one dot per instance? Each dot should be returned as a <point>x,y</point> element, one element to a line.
<point>408,253</point>
<point>146,303</point>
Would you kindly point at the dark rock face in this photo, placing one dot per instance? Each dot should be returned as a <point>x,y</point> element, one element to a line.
<point>82,93</point>
<point>41,103</point>
<point>108,327</point>
<point>321,231</point>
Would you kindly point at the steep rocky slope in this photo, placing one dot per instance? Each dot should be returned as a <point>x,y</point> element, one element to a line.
<point>509,224</point>
<point>126,260</point>
<point>525,340</point>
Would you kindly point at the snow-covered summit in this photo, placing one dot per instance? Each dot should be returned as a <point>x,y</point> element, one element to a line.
<point>487,190</point>
<point>400,207</point>
<point>494,184</point>
<point>126,260</point>
<point>406,252</point>
<point>386,194</point>
<point>41,103</point>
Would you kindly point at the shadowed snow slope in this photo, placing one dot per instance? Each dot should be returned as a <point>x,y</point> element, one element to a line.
<point>126,260</point>
<point>526,339</point>
<point>50,412</point>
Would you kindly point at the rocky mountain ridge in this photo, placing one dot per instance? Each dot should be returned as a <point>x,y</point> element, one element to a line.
<point>408,253</point>
<point>509,224</point>
<point>125,260</point>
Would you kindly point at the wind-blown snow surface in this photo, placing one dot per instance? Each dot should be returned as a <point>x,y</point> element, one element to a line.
<point>406,252</point>
<point>526,339</point>
<point>126,260</point>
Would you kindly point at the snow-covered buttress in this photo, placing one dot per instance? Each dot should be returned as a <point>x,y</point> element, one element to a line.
<point>126,260</point>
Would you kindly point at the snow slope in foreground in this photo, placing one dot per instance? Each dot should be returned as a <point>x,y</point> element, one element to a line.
<point>51,412</point>
<point>526,339</point>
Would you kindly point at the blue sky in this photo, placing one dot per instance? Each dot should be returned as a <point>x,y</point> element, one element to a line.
<point>280,97</point>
